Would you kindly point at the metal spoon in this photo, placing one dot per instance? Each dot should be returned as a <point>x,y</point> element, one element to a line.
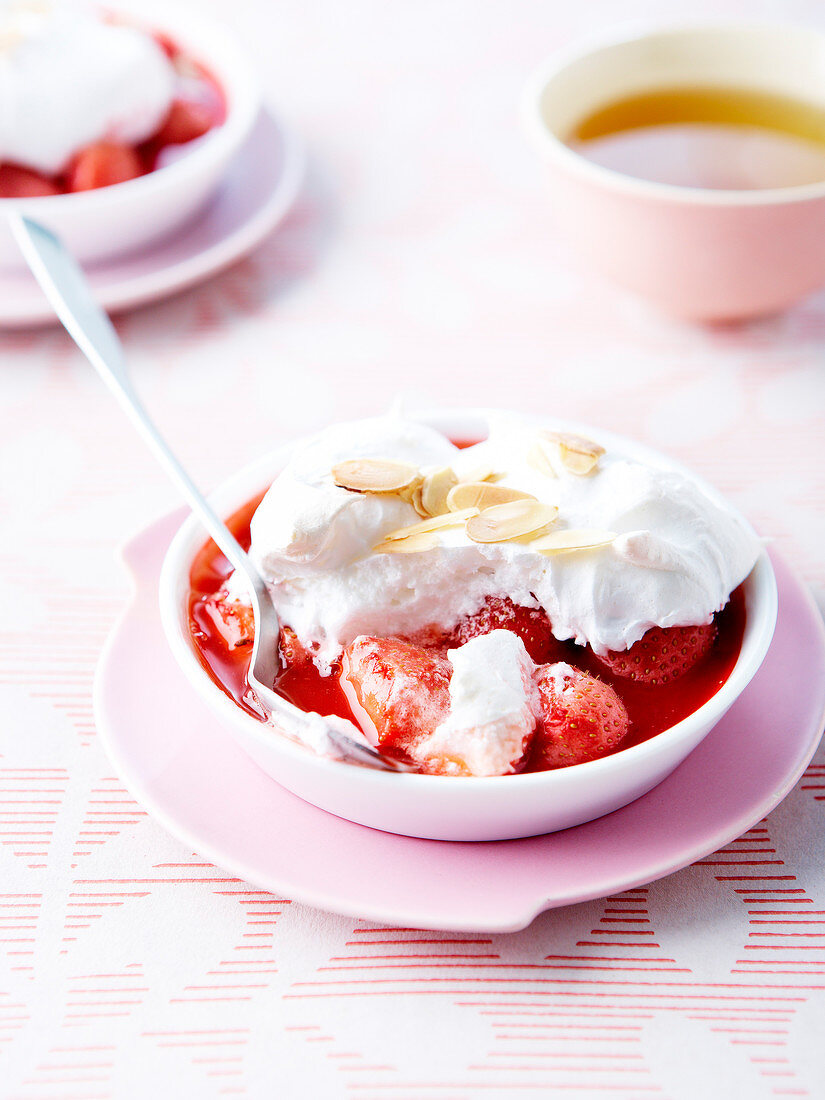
<point>68,291</point>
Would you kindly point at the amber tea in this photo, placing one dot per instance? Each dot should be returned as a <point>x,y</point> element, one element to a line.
<point>711,137</point>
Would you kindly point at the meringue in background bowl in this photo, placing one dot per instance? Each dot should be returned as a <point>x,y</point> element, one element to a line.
<point>108,221</point>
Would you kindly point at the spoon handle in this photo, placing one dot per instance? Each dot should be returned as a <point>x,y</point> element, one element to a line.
<point>68,292</point>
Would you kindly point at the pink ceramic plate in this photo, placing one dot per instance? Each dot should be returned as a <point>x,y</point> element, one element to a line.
<point>186,770</point>
<point>259,188</point>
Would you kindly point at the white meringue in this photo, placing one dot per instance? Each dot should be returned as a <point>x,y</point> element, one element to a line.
<point>678,555</point>
<point>69,78</point>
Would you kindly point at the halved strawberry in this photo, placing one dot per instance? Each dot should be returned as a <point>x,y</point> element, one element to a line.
<point>187,120</point>
<point>102,165</point>
<point>234,622</point>
<point>500,613</point>
<point>662,654</point>
<point>583,717</point>
<point>400,689</point>
<point>22,183</point>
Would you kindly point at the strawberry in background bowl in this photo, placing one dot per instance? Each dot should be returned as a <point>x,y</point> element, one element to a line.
<point>118,123</point>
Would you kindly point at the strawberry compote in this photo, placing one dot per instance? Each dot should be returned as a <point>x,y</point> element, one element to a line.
<point>224,635</point>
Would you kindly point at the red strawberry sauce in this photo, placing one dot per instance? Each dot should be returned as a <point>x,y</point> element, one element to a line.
<point>651,708</point>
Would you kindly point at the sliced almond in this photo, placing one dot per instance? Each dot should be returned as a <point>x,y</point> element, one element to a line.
<point>578,463</point>
<point>578,454</point>
<point>513,520</point>
<point>435,488</point>
<point>409,492</point>
<point>539,459</point>
<point>434,523</point>
<point>562,542</point>
<point>416,499</point>
<point>374,475</point>
<point>484,472</point>
<point>414,544</point>
<point>481,494</point>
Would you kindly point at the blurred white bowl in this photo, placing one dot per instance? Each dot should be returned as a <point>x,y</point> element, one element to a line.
<point>443,807</point>
<point>125,216</point>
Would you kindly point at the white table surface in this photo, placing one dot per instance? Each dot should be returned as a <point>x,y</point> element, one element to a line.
<point>420,260</point>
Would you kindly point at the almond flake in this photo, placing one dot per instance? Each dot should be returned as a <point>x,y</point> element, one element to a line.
<point>414,544</point>
<point>562,542</point>
<point>481,494</point>
<point>480,473</point>
<point>513,520</point>
<point>434,523</point>
<point>540,460</point>
<point>416,499</point>
<point>374,475</point>
<point>413,490</point>
<point>434,490</point>
<point>579,455</point>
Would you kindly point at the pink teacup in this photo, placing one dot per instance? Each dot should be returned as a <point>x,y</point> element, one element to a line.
<point>700,254</point>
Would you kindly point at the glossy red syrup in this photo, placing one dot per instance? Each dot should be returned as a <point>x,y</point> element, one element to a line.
<point>651,708</point>
<point>199,109</point>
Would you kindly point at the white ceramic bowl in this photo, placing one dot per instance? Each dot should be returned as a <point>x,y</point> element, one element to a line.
<point>125,216</point>
<point>443,807</point>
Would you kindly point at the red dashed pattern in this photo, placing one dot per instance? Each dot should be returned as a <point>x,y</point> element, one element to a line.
<point>422,256</point>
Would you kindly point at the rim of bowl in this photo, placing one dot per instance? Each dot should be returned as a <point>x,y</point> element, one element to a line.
<point>543,139</point>
<point>232,493</point>
<point>208,41</point>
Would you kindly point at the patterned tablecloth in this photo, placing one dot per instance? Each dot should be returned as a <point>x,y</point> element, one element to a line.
<point>420,260</point>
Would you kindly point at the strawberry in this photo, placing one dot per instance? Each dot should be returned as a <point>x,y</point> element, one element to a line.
<point>167,44</point>
<point>500,613</point>
<point>234,622</point>
<point>583,718</point>
<point>292,650</point>
<point>186,121</point>
<point>400,689</point>
<point>662,654</point>
<point>22,183</point>
<point>102,165</point>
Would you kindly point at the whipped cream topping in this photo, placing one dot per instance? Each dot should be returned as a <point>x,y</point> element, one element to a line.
<point>69,79</point>
<point>678,554</point>
<point>492,707</point>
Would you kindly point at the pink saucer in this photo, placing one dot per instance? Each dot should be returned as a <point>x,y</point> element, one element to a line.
<point>255,196</point>
<point>181,765</point>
